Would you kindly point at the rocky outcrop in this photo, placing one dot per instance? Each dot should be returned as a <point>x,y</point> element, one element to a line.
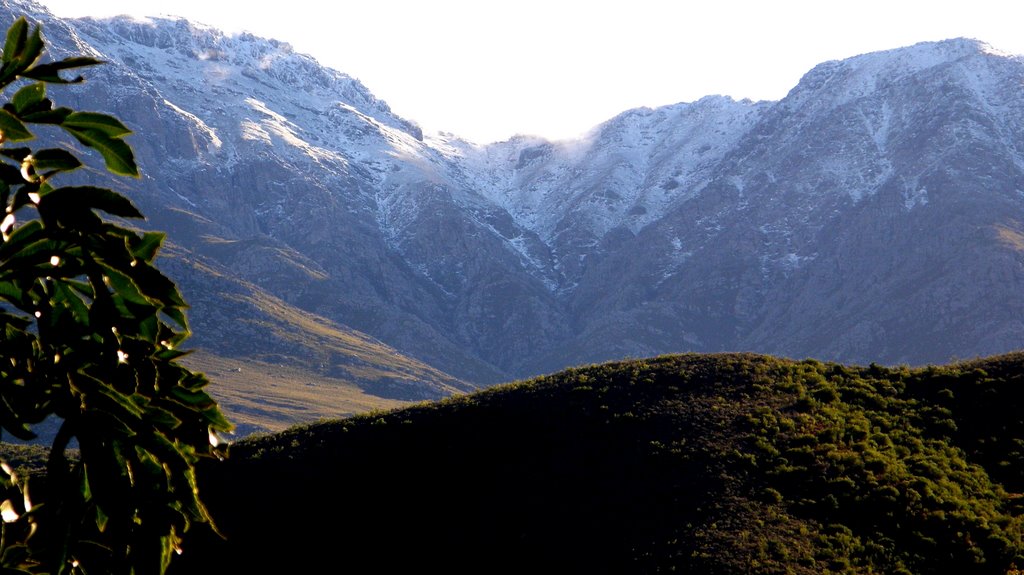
<point>874,214</point>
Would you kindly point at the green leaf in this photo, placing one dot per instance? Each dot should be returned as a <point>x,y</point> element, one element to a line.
<point>11,292</point>
<point>33,48</point>
<point>21,50</point>
<point>192,397</point>
<point>83,486</point>
<point>66,296</point>
<point>29,97</point>
<point>12,129</point>
<point>71,200</point>
<point>215,417</point>
<point>177,315</point>
<point>18,155</point>
<point>50,72</point>
<point>82,287</point>
<point>16,36</point>
<point>33,254</point>
<point>55,159</point>
<point>125,287</point>
<point>117,405</point>
<point>156,285</point>
<point>116,153</point>
<point>22,197</point>
<point>109,125</point>
<point>173,454</point>
<point>47,116</point>
<point>101,519</point>
<point>22,236</point>
<point>146,248</point>
<point>14,571</point>
<point>162,417</point>
<point>149,328</point>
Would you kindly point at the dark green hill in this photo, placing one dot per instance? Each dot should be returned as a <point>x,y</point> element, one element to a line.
<point>693,463</point>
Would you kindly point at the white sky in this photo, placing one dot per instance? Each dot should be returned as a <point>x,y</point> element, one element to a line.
<point>486,70</point>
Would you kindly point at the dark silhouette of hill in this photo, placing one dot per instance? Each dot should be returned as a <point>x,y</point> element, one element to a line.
<point>691,463</point>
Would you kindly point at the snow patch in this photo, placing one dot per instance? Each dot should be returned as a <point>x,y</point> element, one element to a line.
<point>790,262</point>
<point>215,141</point>
<point>254,132</point>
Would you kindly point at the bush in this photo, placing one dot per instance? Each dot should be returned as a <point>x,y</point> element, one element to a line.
<point>89,333</point>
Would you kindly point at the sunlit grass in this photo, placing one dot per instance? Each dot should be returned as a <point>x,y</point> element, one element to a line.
<point>272,397</point>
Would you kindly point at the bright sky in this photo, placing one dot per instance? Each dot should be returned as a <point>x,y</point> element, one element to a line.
<point>486,70</point>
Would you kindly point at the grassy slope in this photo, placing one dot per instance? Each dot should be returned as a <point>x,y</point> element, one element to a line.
<point>693,463</point>
<point>296,366</point>
<point>263,396</point>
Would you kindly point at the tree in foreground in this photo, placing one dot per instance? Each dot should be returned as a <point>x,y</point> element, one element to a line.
<point>89,336</point>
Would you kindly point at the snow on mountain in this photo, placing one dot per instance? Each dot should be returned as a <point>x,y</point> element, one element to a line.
<point>825,224</point>
<point>243,93</point>
<point>541,182</point>
<point>218,80</point>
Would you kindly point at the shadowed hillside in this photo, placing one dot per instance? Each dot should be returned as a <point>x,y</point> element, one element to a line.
<point>693,463</point>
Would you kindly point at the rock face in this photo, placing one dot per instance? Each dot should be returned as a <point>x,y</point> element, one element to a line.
<point>874,214</point>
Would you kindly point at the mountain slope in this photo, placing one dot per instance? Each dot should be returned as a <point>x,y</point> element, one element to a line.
<point>871,215</point>
<point>238,324</point>
<point>284,161</point>
<point>705,464</point>
<point>865,216</point>
<point>276,365</point>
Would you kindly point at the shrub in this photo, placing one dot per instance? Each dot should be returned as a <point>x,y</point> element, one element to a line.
<point>89,333</point>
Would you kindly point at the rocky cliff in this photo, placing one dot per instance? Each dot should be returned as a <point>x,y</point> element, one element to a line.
<point>873,214</point>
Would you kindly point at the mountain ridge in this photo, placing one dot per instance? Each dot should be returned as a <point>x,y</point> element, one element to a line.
<point>822,224</point>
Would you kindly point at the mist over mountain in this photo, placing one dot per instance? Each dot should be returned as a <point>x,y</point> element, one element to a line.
<point>874,214</point>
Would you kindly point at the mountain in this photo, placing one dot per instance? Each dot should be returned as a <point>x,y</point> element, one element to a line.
<point>715,464</point>
<point>873,214</point>
<point>299,364</point>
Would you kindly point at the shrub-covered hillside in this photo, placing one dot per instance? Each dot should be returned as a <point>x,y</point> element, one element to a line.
<point>692,463</point>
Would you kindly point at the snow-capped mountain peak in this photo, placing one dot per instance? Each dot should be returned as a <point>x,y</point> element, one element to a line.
<point>871,214</point>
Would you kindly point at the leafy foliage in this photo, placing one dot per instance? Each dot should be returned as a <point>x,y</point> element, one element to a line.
<point>89,331</point>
